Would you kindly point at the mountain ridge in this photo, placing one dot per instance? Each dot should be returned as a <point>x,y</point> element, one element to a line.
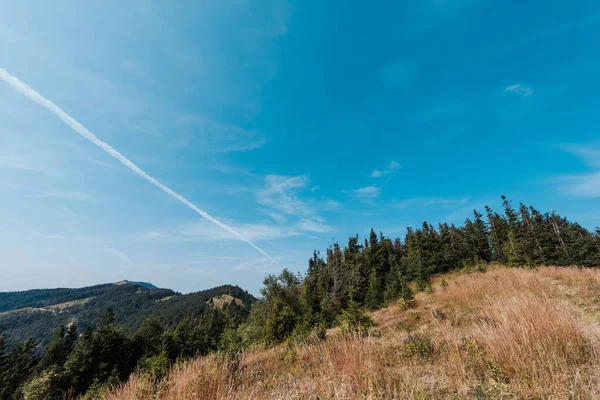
<point>32,313</point>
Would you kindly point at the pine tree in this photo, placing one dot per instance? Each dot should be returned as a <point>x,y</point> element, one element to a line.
<point>478,239</point>
<point>393,282</point>
<point>513,246</point>
<point>56,353</point>
<point>353,272</point>
<point>312,292</point>
<point>3,361</point>
<point>498,228</point>
<point>18,366</point>
<point>374,295</point>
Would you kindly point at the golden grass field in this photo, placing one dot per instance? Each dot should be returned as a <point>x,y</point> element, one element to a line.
<point>505,334</point>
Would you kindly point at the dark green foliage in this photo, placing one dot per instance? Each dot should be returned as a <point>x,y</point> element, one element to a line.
<point>131,302</point>
<point>355,320</point>
<point>282,294</point>
<point>17,366</point>
<point>379,271</point>
<point>150,328</point>
<point>374,293</point>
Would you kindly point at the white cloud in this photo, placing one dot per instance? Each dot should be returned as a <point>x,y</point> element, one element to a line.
<point>122,256</point>
<point>589,154</point>
<point>367,193</point>
<point>56,237</point>
<point>281,193</point>
<point>66,195</point>
<point>521,90</point>
<point>314,225</point>
<point>391,168</point>
<point>417,202</point>
<point>217,137</point>
<point>281,197</point>
<point>32,160</point>
<point>154,235</point>
<point>393,165</point>
<point>278,217</point>
<point>587,184</point>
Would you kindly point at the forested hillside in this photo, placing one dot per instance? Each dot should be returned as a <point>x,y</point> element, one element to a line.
<point>32,314</point>
<point>334,291</point>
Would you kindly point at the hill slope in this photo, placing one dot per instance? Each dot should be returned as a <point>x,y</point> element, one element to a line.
<point>37,313</point>
<point>507,333</point>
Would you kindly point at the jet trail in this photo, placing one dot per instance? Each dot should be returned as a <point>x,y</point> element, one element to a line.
<point>32,94</point>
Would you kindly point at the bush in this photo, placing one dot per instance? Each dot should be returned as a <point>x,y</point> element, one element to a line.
<point>156,367</point>
<point>404,305</point>
<point>45,386</point>
<point>418,346</point>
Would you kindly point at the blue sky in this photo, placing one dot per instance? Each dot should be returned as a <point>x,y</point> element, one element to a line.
<point>294,123</point>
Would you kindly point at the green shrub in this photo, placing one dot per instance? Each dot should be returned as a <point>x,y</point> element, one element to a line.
<point>42,387</point>
<point>404,305</point>
<point>156,367</point>
<point>418,346</point>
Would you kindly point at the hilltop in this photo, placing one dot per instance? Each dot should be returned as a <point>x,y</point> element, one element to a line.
<point>507,333</point>
<point>517,331</point>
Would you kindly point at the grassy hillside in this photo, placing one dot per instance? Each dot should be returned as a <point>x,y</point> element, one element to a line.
<point>506,333</point>
<point>37,313</point>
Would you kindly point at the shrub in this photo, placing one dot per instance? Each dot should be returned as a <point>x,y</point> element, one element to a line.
<point>156,367</point>
<point>404,305</point>
<point>418,346</point>
<point>43,386</point>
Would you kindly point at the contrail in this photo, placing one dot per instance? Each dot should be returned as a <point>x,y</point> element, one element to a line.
<point>32,94</point>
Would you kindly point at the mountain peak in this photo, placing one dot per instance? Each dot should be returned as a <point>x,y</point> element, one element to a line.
<point>147,285</point>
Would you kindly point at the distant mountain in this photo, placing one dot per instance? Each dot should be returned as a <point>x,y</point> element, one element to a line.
<point>36,313</point>
<point>147,285</point>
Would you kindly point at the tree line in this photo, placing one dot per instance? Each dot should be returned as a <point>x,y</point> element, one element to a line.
<point>378,270</point>
<point>335,290</point>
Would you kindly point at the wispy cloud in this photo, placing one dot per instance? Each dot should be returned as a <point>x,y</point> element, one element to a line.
<point>391,168</point>
<point>32,94</point>
<point>217,137</point>
<point>56,237</point>
<point>421,202</point>
<point>371,192</point>
<point>588,184</point>
<point>122,256</point>
<point>314,225</point>
<point>278,217</point>
<point>154,235</point>
<point>367,193</point>
<point>519,89</point>
<point>589,154</point>
<point>281,193</point>
<point>66,195</point>
<point>281,198</point>
<point>31,160</point>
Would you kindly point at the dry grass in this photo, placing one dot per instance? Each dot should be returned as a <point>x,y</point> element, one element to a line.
<point>220,301</point>
<point>508,333</point>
